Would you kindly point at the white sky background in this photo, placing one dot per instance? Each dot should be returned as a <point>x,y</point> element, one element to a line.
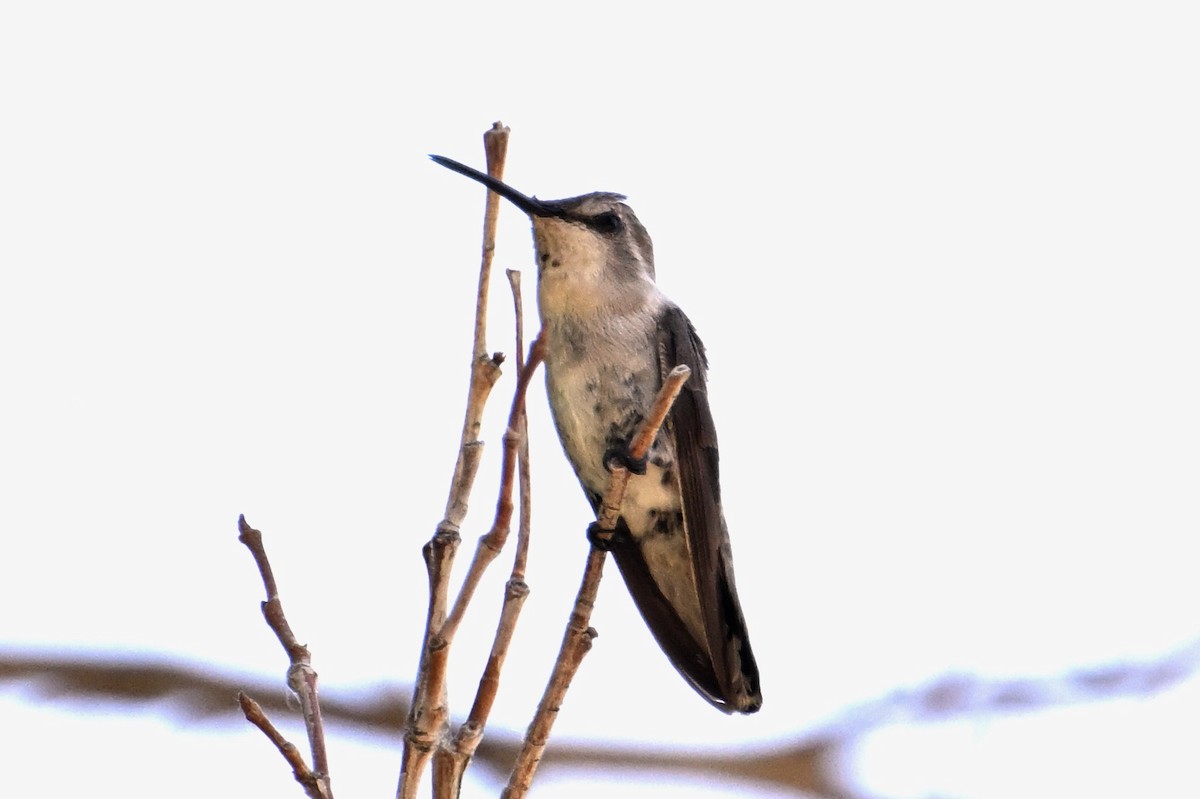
<point>944,259</point>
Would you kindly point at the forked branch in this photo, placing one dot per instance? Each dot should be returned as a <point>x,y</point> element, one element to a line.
<point>428,719</point>
<point>301,678</point>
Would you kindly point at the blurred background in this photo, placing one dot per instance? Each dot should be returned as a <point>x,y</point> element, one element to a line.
<point>944,259</point>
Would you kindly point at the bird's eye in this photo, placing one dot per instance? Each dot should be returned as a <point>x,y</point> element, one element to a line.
<point>607,222</point>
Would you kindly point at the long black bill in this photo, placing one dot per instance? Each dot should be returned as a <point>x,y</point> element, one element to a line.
<point>530,205</point>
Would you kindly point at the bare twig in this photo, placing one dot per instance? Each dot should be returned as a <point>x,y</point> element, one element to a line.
<point>495,150</point>
<point>315,786</point>
<point>485,368</point>
<point>489,545</point>
<point>449,761</point>
<point>522,556</point>
<point>470,733</point>
<point>301,678</point>
<point>577,639</point>
<point>428,720</point>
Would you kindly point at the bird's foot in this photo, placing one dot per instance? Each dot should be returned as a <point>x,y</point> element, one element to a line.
<point>620,456</point>
<point>605,540</point>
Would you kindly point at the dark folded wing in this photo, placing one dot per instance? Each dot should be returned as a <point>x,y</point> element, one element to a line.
<point>690,422</point>
<point>689,656</point>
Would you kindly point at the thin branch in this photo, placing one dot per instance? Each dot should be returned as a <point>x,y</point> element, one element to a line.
<point>314,785</point>
<point>522,556</point>
<point>577,639</point>
<point>495,150</point>
<point>301,677</point>
<point>489,545</point>
<point>485,369</point>
<point>450,761</point>
<point>428,720</point>
<point>470,733</point>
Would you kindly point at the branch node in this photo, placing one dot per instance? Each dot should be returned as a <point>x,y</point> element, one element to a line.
<point>494,540</point>
<point>442,546</point>
<point>301,679</point>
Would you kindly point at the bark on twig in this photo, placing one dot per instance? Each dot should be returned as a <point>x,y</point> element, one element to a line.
<point>428,719</point>
<point>301,678</point>
<point>522,555</point>
<point>316,787</point>
<point>470,732</point>
<point>489,545</point>
<point>450,759</point>
<point>427,732</point>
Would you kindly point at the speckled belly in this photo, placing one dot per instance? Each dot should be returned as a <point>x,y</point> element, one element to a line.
<point>597,407</point>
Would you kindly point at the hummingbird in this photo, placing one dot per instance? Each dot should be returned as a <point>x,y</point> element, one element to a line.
<point>611,338</point>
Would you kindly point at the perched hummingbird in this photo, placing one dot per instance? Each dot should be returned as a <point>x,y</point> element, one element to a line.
<point>611,338</point>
